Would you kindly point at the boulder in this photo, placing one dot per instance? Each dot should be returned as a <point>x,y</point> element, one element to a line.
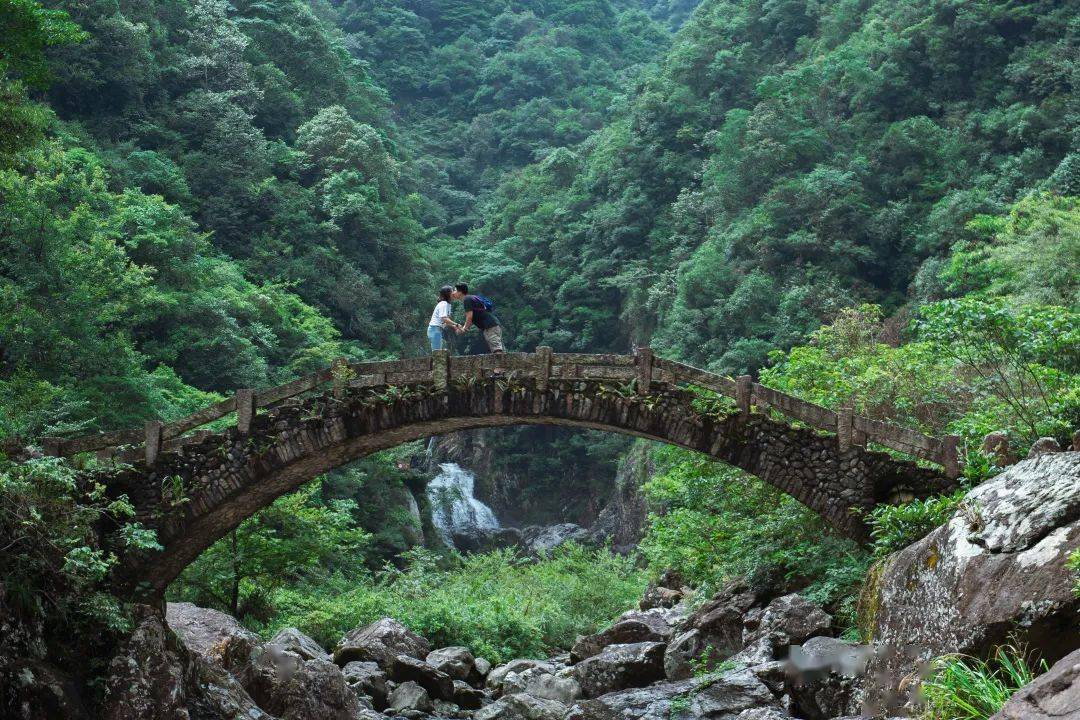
<point>483,666</point>
<point>380,642</point>
<point>495,677</point>
<point>32,689</point>
<point>789,620</point>
<point>155,675</point>
<point>632,627</point>
<point>1044,446</point>
<point>478,539</point>
<point>286,685</point>
<point>719,696</point>
<point>439,685</point>
<point>466,696</point>
<point>995,445</point>
<point>712,633</point>
<point>1054,695</point>
<point>826,677</point>
<point>969,585</point>
<point>295,641</point>
<point>660,597</point>
<point>410,696</point>
<point>365,678</point>
<point>763,713</point>
<point>457,662</point>
<point>667,592</point>
<point>212,635</point>
<point>561,687</point>
<point>520,706</point>
<point>542,540</point>
<point>620,666</point>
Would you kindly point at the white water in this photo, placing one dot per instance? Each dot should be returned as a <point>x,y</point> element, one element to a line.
<point>453,507</point>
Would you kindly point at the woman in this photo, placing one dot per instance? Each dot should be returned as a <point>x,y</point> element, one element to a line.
<point>441,320</point>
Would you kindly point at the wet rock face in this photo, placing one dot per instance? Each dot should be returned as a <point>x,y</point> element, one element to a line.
<point>1054,695</point>
<point>543,539</point>
<point>213,635</point>
<point>380,642</point>
<point>996,568</point>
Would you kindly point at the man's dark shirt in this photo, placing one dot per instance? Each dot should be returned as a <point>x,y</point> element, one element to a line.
<point>480,317</point>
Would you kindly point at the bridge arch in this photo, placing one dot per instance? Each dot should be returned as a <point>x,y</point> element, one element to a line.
<point>194,489</point>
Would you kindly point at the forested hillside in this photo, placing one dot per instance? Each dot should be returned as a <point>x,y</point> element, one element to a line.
<point>871,204</point>
<point>784,162</point>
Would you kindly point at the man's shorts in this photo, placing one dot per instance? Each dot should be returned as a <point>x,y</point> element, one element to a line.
<point>493,337</point>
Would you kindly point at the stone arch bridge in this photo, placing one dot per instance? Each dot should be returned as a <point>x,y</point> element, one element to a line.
<point>193,486</point>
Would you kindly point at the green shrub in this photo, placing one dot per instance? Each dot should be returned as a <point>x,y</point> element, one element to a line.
<point>711,522</point>
<point>894,527</point>
<point>967,688</point>
<point>498,605</point>
<point>1074,564</point>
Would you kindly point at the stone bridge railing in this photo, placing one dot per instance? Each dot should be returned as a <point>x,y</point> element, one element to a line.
<point>637,373</point>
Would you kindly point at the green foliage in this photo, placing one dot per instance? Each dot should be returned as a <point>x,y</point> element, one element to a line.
<point>499,606</point>
<point>711,523</point>
<point>55,559</point>
<point>298,537</point>
<point>967,688</point>
<point>973,365</point>
<point>894,527</point>
<point>1074,564</point>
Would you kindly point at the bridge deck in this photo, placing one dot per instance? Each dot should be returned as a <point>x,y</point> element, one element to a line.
<point>636,373</point>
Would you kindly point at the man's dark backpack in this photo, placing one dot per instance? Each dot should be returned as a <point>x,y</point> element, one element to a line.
<point>488,306</point>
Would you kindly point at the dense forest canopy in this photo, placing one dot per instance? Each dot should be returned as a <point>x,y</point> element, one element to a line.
<point>866,202</point>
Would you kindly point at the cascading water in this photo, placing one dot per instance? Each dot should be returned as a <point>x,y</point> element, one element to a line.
<point>453,507</point>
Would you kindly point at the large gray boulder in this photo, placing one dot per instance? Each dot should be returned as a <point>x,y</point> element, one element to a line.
<point>715,697</point>
<point>787,620</point>
<point>631,627</point>
<point>495,677</point>
<point>561,686</point>
<point>620,666</point>
<point>1054,695</point>
<point>286,685</point>
<point>154,675</point>
<point>996,571</point>
<point>826,678</point>
<point>295,641</point>
<point>438,684</point>
<point>212,635</point>
<point>520,706</point>
<point>366,678</point>
<point>410,696</point>
<point>541,540</point>
<point>457,662</point>
<point>712,633</point>
<point>380,642</point>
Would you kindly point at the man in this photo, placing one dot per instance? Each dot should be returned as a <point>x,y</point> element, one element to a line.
<point>476,313</point>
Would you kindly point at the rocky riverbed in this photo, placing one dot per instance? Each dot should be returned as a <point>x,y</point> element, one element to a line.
<point>995,572</point>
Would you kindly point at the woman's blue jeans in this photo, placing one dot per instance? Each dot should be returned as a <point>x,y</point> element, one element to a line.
<point>435,335</point>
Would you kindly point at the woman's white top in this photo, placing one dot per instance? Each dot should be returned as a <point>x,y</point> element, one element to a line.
<point>442,310</point>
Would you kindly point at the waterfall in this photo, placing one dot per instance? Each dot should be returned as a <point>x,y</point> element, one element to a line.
<point>453,507</point>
